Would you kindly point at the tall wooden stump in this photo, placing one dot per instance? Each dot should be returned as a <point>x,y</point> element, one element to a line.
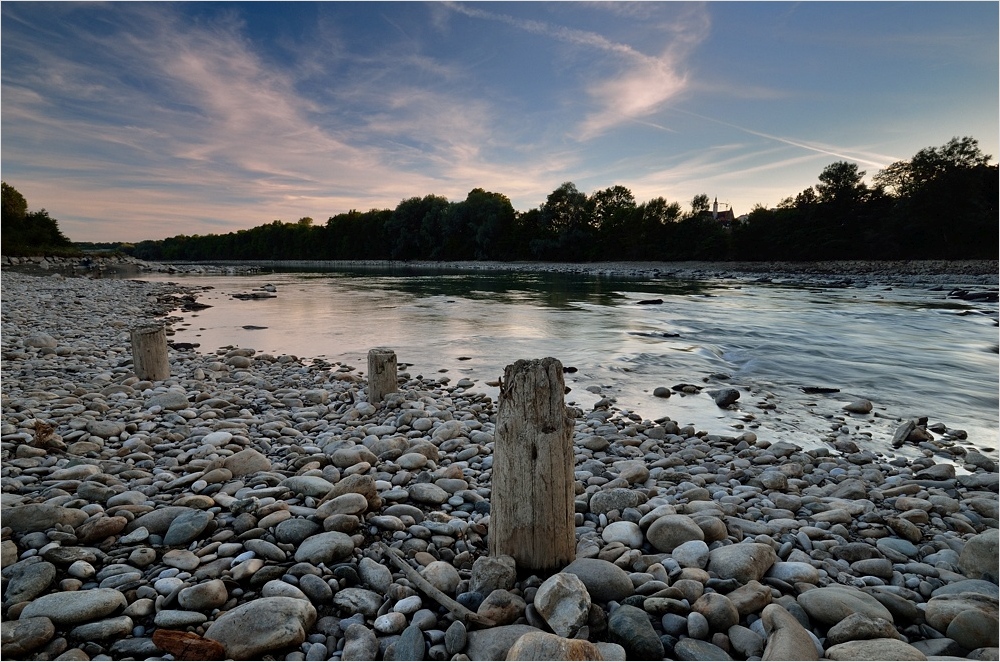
<point>381,374</point>
<point>149,353</point>
<point>531,515</point>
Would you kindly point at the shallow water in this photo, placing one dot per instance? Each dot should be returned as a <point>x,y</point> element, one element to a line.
<point>907,349</point>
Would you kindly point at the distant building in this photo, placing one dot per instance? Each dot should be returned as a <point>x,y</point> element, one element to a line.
<point>726,216</point>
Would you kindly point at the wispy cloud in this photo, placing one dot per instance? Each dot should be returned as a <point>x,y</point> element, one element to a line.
<point>637,84</point>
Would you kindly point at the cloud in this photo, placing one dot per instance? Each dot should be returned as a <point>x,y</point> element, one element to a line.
<point>635,85</point>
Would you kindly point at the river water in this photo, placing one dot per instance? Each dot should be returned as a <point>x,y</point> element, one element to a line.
<point>908,349</point>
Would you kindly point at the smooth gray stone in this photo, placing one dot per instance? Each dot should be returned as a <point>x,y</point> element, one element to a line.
<point>41,517</point>
<point>186,527</point>
<point>327,548</point>
<point>27,579</point>
<point>410,645</point>
<point>696,649</point>
<point>71,607</point>
<point>832,604</point>
<point>262,625</point>
<point>360,643</point>
<point>604,580</point>
<point>22,636</point>
<point>493,643</point>
<point>630,628</point>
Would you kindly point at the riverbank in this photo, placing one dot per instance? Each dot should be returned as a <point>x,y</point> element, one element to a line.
<point>984,272</point>
<point>239,509</point>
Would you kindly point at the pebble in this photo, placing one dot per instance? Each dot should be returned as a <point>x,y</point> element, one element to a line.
<point>247,498</point>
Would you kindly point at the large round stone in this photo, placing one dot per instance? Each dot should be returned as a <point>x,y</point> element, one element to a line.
<point>670,531</point>
<point>743,562</point>
<point>262,625</point>
<point>604,580</point>
<point>70,607</point>
<point>831,604</point>
<point>979,558</point>
<point>327,548</point>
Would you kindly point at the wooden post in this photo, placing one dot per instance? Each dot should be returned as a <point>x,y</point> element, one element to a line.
<point>149,353</point>
<point>531,514</point>
<point>381,374</point>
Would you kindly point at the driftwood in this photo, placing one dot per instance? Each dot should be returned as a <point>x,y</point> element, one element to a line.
<point>381,374</point>
<point>457,610</point>
<point>532,512</point>
<point>149,353</point>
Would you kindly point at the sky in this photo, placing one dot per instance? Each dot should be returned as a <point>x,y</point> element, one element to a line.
<point>130,120</point>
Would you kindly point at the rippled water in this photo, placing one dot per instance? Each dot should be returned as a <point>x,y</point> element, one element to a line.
<point>909,350</point>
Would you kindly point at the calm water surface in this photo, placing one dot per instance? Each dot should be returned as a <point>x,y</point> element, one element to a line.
<point>909,350</point>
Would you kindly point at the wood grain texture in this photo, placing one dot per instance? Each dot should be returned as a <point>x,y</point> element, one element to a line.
<point>149,353</point>
<point>531,516</point>
<point>381,374</point>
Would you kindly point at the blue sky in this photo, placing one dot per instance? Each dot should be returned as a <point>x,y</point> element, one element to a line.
<point>131,121</point>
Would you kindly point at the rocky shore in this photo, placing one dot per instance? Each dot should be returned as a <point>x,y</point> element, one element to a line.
<point>255,505</point>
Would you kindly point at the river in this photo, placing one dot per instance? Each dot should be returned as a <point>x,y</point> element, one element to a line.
<point>907,348</point>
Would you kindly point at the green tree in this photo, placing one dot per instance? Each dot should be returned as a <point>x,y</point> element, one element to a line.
<point>700,204</point>
<point>841,183</point>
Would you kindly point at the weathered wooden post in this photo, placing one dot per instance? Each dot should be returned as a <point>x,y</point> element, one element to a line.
<point>531,514</point>
<point>149,353</point>
<point>381,374</point>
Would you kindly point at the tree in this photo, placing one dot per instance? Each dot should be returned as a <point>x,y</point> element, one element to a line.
<point>841,183</point>
<point>24,231</point>
<point>700,204</point>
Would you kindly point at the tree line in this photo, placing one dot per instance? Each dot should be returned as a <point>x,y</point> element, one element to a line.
<point>24,232</point>
<point>941,204</point>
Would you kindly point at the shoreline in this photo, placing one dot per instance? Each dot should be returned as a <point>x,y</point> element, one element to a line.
<point>981,272</point>
<point>197,505</point>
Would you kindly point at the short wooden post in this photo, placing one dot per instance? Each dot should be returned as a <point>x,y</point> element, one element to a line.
<point>531,514</point>
<point>149,353</point>
<point>381,374</point>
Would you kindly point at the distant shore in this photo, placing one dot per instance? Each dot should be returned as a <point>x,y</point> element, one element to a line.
<point>980,272</point>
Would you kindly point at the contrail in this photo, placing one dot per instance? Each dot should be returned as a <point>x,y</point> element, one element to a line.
<point>786,141</point>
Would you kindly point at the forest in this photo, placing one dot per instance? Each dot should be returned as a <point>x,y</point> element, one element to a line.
<point>941,204</point>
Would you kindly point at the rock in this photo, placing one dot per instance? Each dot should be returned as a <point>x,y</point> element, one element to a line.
<point>627,533</point>
<point>630,628</point>
<point>794,572</point>
<point>351,503</point>
<point>750,598</point>
<point>492,572</point>
<point>618,499</point>
<point>695,649</point>
<point>502,607</point>
<point>669,531</point>
<point>442,576</point>
<point>874,649</point>
<point>692,554</point>
<point>204,597</point>
<point>27,579</point>
<point>726,397</point>
<point>719,610</point>
<point>358,600</point>
<point>746,642</point>
<point>375,575</point>
<point>21,637</point>
<point>40,517</point>
<point>563,601</point>
<point>743,562</point>
<point>262,625</point>
<point>314,486</point>
<point>247,461</point>
<point>545,646</point>
<point>428,493</point>
<point>410,645</point>
<point>108,628</point>
<point>188,645</point>
<point>359,643</point>
<point>604,580</point>
<point>71,607</point>
<point>786,638</point>
<point>979,558</point>
<point>860,406</point>
<point>494,643</point>
<point>831,604</point>
<point>327,548</point>
<point>943,609</point>
<point>455,638</point>
<point>974,629</point>
<point>171,400</point>
<point>860,626</point>
<point>186,527</point>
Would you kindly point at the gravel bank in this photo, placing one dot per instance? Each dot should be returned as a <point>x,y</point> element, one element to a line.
<point>247,505</point>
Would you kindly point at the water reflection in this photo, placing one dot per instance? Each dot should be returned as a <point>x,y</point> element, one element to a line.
<point>906,349</point>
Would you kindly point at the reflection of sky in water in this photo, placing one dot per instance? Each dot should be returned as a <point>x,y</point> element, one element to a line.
<point>901,349</point>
